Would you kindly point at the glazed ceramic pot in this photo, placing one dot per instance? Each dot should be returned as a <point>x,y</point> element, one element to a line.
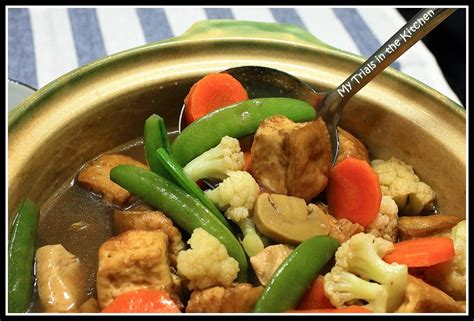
<point>104,104</point>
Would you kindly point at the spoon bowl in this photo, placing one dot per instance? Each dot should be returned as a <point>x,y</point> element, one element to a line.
<point>261,82</point>
<point>268,82</point>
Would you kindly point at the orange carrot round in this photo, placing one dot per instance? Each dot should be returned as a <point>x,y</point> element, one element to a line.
<point>349,309</point>
<point>214,91</point>
<point>142,301</point>
<point>314,298</point>
<point>353,191</point>
<point>421,252</point>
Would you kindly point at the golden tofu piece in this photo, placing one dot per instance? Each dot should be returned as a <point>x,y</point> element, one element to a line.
<point>350,146</point>
<point>341,229</point>
<point>239,298</point>
<point>150,220</point>
<point>96,176</point>
<point>291,158</point>
<point>133,260</point>
<point>421,297</point>
<point>411,227</point>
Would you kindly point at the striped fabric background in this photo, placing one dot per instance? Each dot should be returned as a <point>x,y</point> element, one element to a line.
<point>47,42</point>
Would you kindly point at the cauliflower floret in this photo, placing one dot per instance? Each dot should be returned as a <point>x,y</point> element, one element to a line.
<point>207,263</point>
<point>385,224</point>
<point>399,181</point>
<point>361,274</point>
<point>214,163</point>
<point>236,195</point>
<point>451,276</point>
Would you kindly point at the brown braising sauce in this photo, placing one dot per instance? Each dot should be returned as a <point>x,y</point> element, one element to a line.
<point>81,221</point>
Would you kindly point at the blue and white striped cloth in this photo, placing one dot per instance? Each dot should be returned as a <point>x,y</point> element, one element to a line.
<point>47,42</point>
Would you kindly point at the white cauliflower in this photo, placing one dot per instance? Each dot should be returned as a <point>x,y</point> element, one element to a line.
<point>361,277</point>
<point>385,224</point>
<point>214,163</point>
<point>399,181</point>
<point>236,195</point>
<point>451,276</point>
<point>207,263</point>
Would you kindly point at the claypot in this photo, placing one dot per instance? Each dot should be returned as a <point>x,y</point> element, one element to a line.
<point>104,104</point>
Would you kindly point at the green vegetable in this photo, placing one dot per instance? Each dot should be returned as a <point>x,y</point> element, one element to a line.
<point>21,251</point>
<point>236,120</point>
<point>293,277</point>
<point>156,136</point>
<point>185,210</point>
<point>186,183</point>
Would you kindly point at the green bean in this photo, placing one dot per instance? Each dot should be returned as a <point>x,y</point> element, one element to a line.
<point>186,183</point>
<point>154,137</point>
<point>293,277</point>
<point>21,251</point>
<point>185,211</point>
<point>237,120</point>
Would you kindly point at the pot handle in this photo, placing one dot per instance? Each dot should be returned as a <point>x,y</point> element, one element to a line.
<point>227,28</point>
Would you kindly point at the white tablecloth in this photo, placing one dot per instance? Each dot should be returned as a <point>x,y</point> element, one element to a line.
<point>47,42</point>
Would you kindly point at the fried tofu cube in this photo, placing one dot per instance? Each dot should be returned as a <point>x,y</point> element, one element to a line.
<point>240,297</point>
<point>412,227</point>
<point>291,158</point>
<point>150,220</point>
<point>133,260</point>
<point>421,297</point>
<point>96,176</point>
<point>350,146</point>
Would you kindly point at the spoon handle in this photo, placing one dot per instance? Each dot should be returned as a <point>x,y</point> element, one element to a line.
<point>415,29</point>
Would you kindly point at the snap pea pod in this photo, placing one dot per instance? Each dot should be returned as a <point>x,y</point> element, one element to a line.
<point>185,211</point>
<point>293,277</point>
<point>21,251</point>
<point>186,183</point>
<point>237,120</point>
<point>154,137</point>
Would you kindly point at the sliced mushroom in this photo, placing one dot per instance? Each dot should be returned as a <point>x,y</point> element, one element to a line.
<point>411,227</point>
<point>287,219</point>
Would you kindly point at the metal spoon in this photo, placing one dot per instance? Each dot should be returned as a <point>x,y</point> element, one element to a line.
<point>268,82</point>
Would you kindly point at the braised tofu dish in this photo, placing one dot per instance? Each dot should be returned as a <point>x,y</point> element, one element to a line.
<point>243,211</point>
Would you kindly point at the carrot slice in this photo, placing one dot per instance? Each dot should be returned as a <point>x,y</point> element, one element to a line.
<point>214,91</point>
<point>142,301</point>
<point>422,252</point>
<point>314,298</point>
<point>349,309</point>
<point>353,191</point>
